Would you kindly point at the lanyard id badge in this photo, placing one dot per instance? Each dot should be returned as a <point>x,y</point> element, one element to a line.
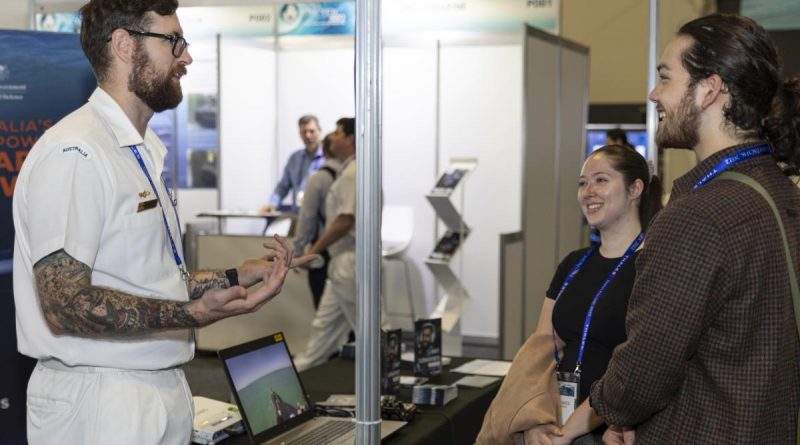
<point>176,256</point>
<point>568,385</point>
<point>569,382</point>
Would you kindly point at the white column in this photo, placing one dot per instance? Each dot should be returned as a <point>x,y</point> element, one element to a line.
<point>368,215</point>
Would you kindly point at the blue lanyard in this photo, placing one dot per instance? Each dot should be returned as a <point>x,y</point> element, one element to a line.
<point>176,256</point>
<point>588,320</point>
<point>739,156</point>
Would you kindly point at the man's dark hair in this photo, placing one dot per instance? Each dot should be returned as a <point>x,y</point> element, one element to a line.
<point>761,105</point>
<point>618,134</point>
<point>348,125</point>
<point>307,119</point>
<point>99,18</point>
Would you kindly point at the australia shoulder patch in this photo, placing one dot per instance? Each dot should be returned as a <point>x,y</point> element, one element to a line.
<point>74,150</point>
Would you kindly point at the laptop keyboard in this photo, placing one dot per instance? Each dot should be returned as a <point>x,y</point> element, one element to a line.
<point>327,432</point>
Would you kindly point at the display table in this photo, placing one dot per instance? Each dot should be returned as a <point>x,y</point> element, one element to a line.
<point>269,217</point>
<point>458,422</point>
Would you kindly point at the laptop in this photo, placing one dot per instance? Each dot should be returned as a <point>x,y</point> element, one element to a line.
<point>273,403</point>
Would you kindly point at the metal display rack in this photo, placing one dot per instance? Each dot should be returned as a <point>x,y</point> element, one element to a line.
<point>451,306</point>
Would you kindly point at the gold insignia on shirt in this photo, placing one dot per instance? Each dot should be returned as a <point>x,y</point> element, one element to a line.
<point>147,205</point>
<point>144,194</point>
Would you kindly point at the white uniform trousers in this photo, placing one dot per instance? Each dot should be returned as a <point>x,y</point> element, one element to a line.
<point>336,314</point>
<point>92,406</point>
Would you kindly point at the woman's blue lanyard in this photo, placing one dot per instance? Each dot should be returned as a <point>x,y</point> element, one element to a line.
<point>588,320</point>
<point>739,156</point>
<point>178,261</point>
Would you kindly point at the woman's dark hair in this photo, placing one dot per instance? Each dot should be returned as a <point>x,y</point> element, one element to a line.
<point>761,105</point>
<point>632,166</point>
<point>99,18</point>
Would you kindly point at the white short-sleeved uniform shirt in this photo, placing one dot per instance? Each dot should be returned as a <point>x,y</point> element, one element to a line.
<point>81,190</point>
<point>341,200</point>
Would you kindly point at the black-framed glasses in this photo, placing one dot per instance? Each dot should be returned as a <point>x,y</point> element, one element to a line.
<point>179,44</point>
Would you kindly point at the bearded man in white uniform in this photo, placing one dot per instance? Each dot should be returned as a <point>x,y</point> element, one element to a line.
<point>103,298</point>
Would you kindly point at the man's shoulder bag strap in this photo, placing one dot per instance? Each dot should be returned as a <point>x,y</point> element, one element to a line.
<point>735,176</point>
<point>320,216</point>
<point>329,169</point>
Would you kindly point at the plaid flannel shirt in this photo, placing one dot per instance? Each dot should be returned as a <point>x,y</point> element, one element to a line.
<point>712,352</point>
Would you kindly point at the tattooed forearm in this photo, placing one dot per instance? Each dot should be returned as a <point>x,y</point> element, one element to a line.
<point>72,306</point>
<point>203,281</point>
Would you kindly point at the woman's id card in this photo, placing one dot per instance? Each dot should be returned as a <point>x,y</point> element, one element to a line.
<point>568,383</point>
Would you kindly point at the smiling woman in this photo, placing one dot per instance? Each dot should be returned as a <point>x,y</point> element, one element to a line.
<point>583,316</point>
<point>615,187</point>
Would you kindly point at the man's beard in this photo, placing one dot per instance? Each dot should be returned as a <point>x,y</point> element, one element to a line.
<point>155,90</point>
<point>680,128</point>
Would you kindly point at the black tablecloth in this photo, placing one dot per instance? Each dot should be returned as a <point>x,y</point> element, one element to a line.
<point>456,423</point>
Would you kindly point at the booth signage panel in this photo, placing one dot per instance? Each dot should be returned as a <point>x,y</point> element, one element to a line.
<point>58,21</point>
<point>430,16</point>
<point>313,19</point>
<point>288,19</point>
<point>32,99</point>
<point>234,21</point>
<point>400,17</point>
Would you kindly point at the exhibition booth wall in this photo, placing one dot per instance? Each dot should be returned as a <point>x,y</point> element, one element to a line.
<point>446,95</point>
<point>556,79</point>
<point>454,97</point>
<point>30,103</point>
<point>442,100</point>
<point>436,106</point>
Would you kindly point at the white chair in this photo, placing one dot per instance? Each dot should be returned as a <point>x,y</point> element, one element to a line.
<point>397,229</point>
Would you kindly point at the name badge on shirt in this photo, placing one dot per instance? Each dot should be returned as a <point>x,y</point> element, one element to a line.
<point>568,384</point>
<point>147,205</point>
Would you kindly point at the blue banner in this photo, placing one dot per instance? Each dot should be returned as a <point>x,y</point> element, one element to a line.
<point>43,77</point>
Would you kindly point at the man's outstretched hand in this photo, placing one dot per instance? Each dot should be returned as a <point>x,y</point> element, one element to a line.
<point>252,271</point>
<point>271,270</point>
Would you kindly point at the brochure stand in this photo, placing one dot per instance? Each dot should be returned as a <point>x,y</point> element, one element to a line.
<point>451,306</point>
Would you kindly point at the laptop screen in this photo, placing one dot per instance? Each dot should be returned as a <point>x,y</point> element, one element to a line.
<point>266,386</point>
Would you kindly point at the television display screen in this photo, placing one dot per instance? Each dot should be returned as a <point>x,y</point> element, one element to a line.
<point>596,137</point>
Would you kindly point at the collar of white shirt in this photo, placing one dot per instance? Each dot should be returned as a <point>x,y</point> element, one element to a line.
<point>121,126</point>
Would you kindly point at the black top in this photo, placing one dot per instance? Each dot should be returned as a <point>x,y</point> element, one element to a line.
<point>608,322</point>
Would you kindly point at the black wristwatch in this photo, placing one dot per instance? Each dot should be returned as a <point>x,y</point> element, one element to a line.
<point>233,276</point>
